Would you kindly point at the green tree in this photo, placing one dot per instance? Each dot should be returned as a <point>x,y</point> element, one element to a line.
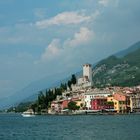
<point>22,107</point>
<point>34,107</point>
<point>72,106</point>
<point>110,103</point>
<point>63,86</point>
<point>41,101</point>
<point>82,105</point>
<point>58,91</point>
<point>73,79</point>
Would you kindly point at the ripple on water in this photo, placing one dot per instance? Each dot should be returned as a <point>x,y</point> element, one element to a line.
<point>90,127</point>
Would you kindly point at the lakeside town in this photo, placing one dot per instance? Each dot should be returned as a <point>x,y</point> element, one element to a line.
<point>80,97</point>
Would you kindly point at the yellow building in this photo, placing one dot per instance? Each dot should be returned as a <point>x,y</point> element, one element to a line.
<point>116,103</point>
<point>80,103</point>
<point>110,99</point>
<point>121,102</point>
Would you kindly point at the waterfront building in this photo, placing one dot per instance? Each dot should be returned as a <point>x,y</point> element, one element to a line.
<point>135,102</point>
<point>65,104</point>
<point>92,94</point>
<point>100,103</point>
<point>80,103</point>
<point>56,106</point>
<point>121,102</point>
<point>110,98</point>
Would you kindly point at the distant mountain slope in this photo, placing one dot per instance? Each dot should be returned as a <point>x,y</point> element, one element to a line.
<point>129,50</point>
<point>123,71</point>
<point>30,92</point>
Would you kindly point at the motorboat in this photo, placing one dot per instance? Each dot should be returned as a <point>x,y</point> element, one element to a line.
<point>28,113</point>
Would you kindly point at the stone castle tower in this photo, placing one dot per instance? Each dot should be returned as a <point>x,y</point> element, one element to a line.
<point>87,72</point>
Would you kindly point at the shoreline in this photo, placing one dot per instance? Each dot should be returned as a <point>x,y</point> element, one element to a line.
<point>74,114</point>
<point>84,114</point>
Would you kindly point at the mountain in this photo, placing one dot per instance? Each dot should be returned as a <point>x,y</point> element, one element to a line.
<point>118,71</point>
<point>30,92</point>
<point>128,50</point>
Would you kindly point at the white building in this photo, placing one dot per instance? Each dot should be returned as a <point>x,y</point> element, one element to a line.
<point>135,102</point>
<point>92,94</point>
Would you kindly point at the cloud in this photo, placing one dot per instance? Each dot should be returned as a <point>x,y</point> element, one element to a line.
<point>84,36</point>
<point>95,15</point>
<point>57,48</point>
<point>52,50</point>
<point>28,33</point>
<point>65,55</point>
<point>105,3</point>
<point>64,18</point>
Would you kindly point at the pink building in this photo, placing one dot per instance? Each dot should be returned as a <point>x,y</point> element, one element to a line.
<point>121,102</point>
<point>59,105</point>
<point>56,106</point>
<point>119,97</point>
<point>65,103</point>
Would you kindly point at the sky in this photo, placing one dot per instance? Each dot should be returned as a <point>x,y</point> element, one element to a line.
<point>40,38</point>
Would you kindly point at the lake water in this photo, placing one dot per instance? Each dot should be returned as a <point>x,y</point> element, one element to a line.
<point>80,127</point>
